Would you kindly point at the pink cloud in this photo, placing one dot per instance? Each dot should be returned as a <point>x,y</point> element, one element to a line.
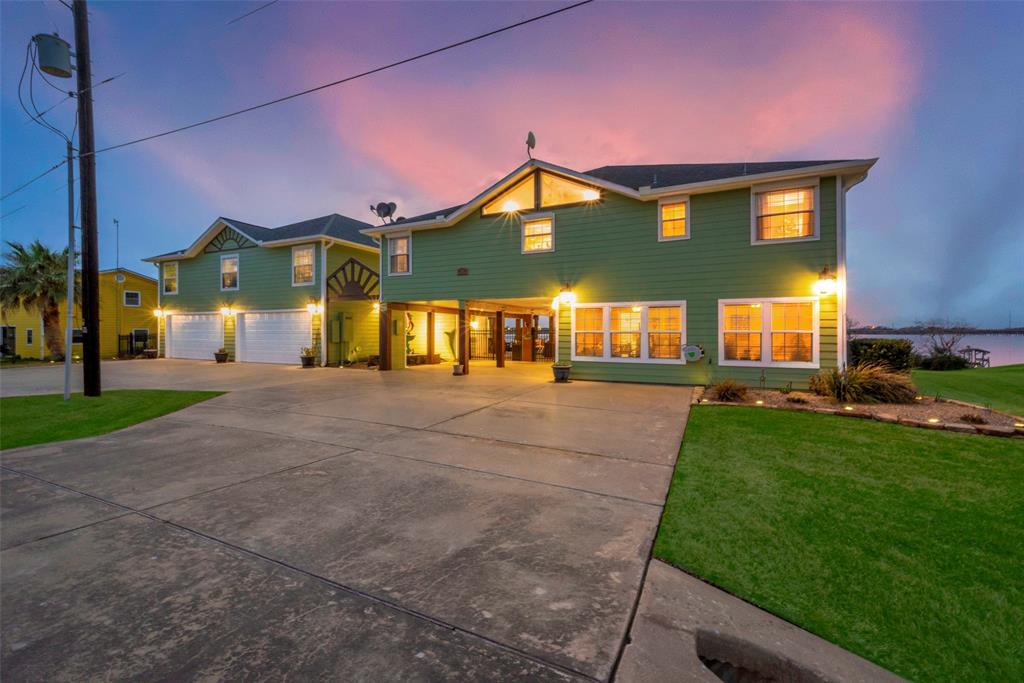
<point>824,81</point>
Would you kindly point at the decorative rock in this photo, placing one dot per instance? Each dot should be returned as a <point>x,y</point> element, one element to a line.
<point>910,422</point>
<point>993,430</point>
<point>886,417</point>
<point>862,414</point>
<point>826,411</point>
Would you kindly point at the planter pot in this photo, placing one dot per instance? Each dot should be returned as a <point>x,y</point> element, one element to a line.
<point>221,357</point>
<point>457,369</point>
<point>561,372</point>
<point>150,353</point>
<point>307,361</point>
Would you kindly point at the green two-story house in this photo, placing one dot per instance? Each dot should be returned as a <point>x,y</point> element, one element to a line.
<point>263,294</point>
<point>676,273</point>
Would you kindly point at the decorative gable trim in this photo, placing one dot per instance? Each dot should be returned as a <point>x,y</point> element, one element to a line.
<point>228,239</point>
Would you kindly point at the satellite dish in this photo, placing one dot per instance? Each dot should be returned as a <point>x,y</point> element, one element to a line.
<point>392,207</point>
<point>531,142</point>
<point>692,353</point>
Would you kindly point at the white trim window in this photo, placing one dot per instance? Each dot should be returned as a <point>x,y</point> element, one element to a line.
<point>229,273</point>
<point>170,273</point>
<point>28,336</point>
<point>400,254</point>
<point>303,265</point>
<point>673,219</point>
<point>642,332</point>
<point>538,233</point>
<point>784,213</point>
<point>132,298</point>
<point>781,332</point>
<point>140,335</point>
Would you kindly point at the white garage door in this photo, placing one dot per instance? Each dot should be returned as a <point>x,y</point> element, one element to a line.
<point>194,335</point>
<point>273,337</point>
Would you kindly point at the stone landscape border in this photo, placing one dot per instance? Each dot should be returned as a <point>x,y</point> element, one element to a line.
<point>1017,431</point>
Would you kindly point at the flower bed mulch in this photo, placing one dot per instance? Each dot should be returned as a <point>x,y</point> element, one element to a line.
<point>926,412</point>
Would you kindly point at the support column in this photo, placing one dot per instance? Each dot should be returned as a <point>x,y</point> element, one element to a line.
<point>430,336</point>
<point>499,339</point>
<point>529,330</point>
<point>463,337</point>
<point>385,337</point>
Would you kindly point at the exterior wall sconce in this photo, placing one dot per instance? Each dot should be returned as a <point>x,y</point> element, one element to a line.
<point>227,311</point>
<point>826,284</point>
<point>566,296</point>
<point>510,206</point>
<point>158,312</point>
<point>376,306</point>
<point>313,307</point>
<point>591,195</point>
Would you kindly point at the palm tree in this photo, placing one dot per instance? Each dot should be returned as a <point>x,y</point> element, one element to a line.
<point>35,278</point>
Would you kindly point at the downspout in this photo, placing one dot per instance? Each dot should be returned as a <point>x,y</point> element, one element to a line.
<point>325,245</point>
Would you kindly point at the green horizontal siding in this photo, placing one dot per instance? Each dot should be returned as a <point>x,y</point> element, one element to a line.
<point>609,252</point>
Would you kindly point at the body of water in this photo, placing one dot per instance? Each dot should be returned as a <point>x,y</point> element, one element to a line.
<point>1006,349</point>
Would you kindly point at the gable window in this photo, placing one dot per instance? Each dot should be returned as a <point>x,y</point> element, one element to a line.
<point>170,278</point>
<point>132,299</point>
<point>28,336</point>
<point>672,216</point>
<point>769,332</point>
<point>645,332</point>
<point>399,252</point>
<point>229,272</point>
<point>785,214</point>
<point>538,190</point>
<point>302,265</point>
<point>538,233</point>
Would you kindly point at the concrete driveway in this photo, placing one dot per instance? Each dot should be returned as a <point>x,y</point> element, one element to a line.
<point>341,524</point>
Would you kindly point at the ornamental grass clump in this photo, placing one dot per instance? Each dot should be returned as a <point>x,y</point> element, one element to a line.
<point>865,383</point>
<point>729,390</point>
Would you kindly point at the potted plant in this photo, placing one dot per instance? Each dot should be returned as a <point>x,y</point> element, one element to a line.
<point>149,353</point>
<point>221,355</point>
<point>561,370</point>
<point>308,354</point>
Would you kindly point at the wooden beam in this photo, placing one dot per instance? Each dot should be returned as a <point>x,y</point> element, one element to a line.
<point>490,306</point>
<point>430,336</point>
<point>464,340</point>
<point>499,339</point>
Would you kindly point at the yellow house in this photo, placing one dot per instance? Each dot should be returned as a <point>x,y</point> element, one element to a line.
<point>127,301</point>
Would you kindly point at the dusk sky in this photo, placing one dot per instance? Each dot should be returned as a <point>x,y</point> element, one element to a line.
<point>935,90</point>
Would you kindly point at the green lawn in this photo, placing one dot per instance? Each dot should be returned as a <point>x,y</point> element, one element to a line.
<point>27,420</point>
<point>1001,388</point>
<point>903,545</point>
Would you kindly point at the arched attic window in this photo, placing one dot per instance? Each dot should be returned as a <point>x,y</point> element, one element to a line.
<point>541,190</point>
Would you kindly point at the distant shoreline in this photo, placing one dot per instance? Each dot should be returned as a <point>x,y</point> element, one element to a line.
<point>920,331</point>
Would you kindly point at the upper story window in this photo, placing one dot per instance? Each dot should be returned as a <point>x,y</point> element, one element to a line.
<point>302,265</point>
<point>399,253</point>
<point>672,219</point>
<point>132,299</point>
<point>170,278</point>
<point>540,190</point>
<point>538,234</point>
<point>769,332</point>
<point>229,272</point>
<point>646,332</point>
<point>785,214</point>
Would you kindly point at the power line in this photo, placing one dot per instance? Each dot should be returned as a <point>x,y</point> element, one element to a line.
<point>38,177</point>
<point>264,6</point>
<point>340,81</point>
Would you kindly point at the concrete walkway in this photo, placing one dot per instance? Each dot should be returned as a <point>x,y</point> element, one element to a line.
<point>340,524</point>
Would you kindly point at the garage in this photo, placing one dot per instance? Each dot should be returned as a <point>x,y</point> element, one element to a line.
<point>194,335</point>
<point>273,336</point>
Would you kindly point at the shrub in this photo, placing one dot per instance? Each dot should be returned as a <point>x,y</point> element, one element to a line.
<point>797,399</point>
<point>943,361</point>
<point>868,383</point>
<point>729,390</point>
<point>897,354</point>
<point>972,419</point>
<point>786,389</point>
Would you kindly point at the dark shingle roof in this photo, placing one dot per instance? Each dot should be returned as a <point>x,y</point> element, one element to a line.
<point>333,225</point>
<point>666,175</point>
<point>429,216</point>
<point>256,232</point>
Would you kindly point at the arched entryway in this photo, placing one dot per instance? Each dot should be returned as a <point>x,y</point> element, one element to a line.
<point>350,319</point>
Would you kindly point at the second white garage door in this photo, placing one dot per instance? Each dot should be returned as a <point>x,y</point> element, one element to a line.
<point>194,335</point>
<point>274,337</point>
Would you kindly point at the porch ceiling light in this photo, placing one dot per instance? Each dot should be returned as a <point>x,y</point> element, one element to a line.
<point>474,324</point>
<point>826,284</point>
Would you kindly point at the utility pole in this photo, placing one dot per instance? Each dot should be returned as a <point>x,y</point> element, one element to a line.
<point>70,313</point>
<point>87,176</point>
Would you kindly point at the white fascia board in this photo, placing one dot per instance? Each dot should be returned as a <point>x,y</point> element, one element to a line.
<point>208,234</point>
<point>312,239</point>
